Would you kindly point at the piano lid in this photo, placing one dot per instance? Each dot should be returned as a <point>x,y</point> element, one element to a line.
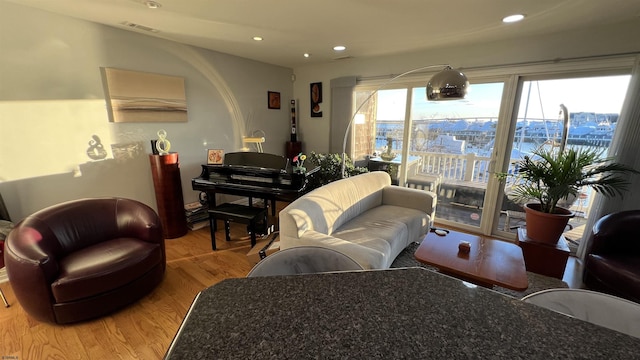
<point>256,160</point>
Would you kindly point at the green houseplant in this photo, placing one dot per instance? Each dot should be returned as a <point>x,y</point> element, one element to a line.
<point>550,176</point>
<point>331,169</point>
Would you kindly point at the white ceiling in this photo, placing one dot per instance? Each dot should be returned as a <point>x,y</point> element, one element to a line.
<point>367,27</point>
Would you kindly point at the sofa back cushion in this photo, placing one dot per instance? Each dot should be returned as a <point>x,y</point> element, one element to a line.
<point>327,208</point>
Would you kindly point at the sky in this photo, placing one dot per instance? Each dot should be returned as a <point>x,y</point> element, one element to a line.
<point>544,98</point>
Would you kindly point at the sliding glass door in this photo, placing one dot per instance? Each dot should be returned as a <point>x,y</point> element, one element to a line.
<point>454,141</point>
<point>454,148</point>
<point>549,108</point>
<point>449,144</point>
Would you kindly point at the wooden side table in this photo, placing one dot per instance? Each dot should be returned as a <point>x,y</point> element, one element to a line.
<point>544,259</point>
<point>165,170</point>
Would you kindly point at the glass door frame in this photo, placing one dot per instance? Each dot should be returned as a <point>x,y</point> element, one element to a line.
<point>521,81</point>
<point>513,78</point>
<point>506,107</point>
<point>499,158</point>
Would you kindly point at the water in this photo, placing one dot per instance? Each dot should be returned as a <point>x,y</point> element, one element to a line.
<point>476,141</point>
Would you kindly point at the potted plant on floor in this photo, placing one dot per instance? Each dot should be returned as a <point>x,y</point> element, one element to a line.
<point>550,176</point>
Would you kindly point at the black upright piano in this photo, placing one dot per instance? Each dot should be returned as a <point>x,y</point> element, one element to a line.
<point>253,175</point>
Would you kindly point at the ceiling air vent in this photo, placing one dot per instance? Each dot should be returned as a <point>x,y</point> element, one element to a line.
<point>138,26</point>
<point>344,58</point>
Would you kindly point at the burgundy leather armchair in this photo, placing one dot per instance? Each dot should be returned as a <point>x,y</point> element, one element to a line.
<point>85,258</point>
<point>612,263</point>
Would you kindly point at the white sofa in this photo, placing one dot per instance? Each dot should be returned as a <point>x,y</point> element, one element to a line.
<point>363,217</point>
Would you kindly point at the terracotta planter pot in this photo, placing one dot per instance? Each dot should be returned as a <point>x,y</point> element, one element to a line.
<point>543,227</point>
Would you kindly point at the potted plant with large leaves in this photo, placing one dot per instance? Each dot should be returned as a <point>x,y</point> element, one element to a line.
<point>550,176</point>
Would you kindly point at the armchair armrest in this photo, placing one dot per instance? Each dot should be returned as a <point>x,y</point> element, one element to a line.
<point>616,233</point>
<point>138,220</point>
<point>30,270</point>
<point>23,247</point>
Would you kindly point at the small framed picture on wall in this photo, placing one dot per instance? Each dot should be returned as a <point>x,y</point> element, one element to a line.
<point>315,90</point>
<point>273,99</point>
<point>215,156</point>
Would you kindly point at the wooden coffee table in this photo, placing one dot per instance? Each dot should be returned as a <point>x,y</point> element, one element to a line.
<point>490,262</point>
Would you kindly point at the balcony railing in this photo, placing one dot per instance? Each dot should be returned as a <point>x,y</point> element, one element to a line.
<point>457,167</point>
<point>461,179</point>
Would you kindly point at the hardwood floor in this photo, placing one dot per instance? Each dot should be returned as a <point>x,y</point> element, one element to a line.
<point>144,329</point>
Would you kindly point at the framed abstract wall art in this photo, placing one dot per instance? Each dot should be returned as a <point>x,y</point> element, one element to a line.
<point>134,96</point>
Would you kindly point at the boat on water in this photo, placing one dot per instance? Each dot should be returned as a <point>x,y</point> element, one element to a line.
<point>447,135</point>
<point>446,144</point>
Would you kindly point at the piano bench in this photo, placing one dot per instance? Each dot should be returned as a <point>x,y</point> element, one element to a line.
<point>237,213</point>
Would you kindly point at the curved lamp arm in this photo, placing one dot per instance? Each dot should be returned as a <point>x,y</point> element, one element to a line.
<point>444,92</point>
<point>565,127</point>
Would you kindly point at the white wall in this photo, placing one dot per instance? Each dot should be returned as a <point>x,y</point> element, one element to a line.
<point>314,132</point>
<point>52,101</point>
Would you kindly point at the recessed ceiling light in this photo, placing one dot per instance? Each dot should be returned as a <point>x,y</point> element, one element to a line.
<point>513,18</point>
<point>306,55</point>
<point>339,48</point>
<point>152,4</point>
<point>258,38</point>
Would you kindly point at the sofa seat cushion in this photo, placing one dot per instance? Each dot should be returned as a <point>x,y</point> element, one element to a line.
<point>387,228</point>
<point>617,272</point>
<point>104,266</point>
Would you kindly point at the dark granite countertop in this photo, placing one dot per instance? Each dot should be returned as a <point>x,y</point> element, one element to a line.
<point>407,313</point>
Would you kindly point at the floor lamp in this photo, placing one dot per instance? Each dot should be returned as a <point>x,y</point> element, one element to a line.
<point>448,84</point>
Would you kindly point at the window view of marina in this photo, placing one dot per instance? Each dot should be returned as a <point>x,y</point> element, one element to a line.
<point>451,143</point>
